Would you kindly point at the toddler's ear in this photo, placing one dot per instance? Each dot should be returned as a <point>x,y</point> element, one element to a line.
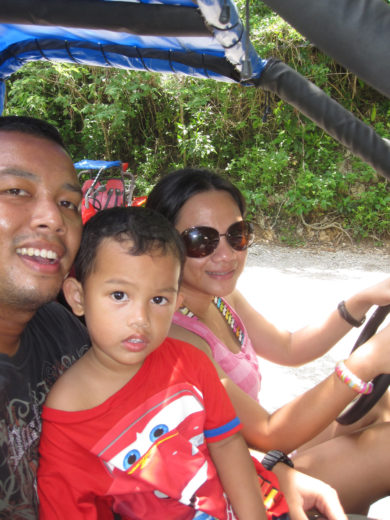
<point>179,301</point>
<point>74,294</point>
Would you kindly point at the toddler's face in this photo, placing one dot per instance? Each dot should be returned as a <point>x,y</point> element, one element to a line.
<point>129,302</point>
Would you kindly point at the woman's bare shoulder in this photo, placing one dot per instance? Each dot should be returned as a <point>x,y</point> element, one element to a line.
<point>178,332</point>
<point>237,301</point>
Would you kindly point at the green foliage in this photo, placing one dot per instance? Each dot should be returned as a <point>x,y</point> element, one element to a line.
<point>288,168</point>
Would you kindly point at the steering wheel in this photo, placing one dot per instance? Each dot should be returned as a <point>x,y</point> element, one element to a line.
<point>363,403</point>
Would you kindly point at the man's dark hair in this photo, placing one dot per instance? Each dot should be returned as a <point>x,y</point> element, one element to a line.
<point>31,126</point>
<point>173,190</point>
<point>148,231</point>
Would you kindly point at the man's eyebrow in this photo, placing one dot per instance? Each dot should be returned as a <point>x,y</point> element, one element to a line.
<point>16,172</point>
<point>72,187</point>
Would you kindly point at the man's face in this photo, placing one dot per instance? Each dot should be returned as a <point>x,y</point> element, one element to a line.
<point>40,224</point>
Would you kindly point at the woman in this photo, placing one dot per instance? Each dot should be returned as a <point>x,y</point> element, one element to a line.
<point>209,212</point>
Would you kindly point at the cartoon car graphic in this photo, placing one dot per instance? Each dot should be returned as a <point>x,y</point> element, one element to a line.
<point>159,450</point>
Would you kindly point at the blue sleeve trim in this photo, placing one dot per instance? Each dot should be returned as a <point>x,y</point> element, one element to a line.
<point>221,430</point>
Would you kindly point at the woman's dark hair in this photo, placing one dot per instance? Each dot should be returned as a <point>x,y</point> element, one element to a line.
<point>172,191</point>
<point>147,230</point>
<point>31,126</point>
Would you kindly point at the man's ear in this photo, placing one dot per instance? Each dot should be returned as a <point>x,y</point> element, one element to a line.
<point>74,294</point>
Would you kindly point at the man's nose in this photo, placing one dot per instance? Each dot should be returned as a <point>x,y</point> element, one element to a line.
<point>47,215</point>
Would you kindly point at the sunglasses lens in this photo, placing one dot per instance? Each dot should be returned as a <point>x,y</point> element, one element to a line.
<point>200,241</point>
<point>240,235</point>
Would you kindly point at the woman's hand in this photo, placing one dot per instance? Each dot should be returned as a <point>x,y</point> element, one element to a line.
<point>378,294</point>
<point>304,493</point>
<point>361,302</point>
<point>373,357</point>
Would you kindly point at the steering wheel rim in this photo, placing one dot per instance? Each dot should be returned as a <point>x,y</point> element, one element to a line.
<point>363,403</point>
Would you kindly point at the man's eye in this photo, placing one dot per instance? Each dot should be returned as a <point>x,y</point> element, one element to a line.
<point>159,300</point>
<point>119,296</point>
<point>69,205</point>
<point>18,192</point>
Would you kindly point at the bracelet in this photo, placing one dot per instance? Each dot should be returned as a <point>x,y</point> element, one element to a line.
<point>347,317</point>
<point>354,382</point>
<point>271,458</point>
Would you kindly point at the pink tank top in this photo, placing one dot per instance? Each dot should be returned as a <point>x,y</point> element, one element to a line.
<point>242,367</point>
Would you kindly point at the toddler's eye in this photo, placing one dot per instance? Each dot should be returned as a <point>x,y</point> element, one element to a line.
<point>159,300</point>
<point>119,296</point>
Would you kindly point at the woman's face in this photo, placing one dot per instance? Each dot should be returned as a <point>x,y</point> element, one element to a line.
<point>216,274</point>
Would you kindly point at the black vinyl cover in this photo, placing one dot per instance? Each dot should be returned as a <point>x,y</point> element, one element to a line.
<point>128,17</point>
<point>329,115</point>
<point>356,33</point>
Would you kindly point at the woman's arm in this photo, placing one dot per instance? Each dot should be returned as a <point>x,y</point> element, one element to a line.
<point>308,414</point>
<point>304,345</point>
<point>238,476</point>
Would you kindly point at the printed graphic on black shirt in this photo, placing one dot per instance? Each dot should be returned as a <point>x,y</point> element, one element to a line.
<point>24,384</point>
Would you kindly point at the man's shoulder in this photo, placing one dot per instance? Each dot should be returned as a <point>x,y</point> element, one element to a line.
<point>55,315</point>
<point>56,327</point>
<point>55,309</point>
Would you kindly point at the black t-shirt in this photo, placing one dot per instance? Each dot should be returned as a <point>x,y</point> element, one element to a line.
<point>50,343</point>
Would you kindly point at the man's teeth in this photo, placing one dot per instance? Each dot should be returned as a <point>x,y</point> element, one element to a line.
<point>43,253</point>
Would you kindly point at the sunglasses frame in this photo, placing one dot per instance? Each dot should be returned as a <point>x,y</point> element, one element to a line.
<point>207,248</point>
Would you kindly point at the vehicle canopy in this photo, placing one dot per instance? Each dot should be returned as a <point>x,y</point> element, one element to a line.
<point>208,39</point>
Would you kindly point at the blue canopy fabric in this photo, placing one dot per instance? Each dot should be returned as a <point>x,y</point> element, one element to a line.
<point>206,39</point>
<point>90,164</point>
<point>216,54</point>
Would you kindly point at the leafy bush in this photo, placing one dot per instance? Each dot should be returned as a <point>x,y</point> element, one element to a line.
<point>289,169</point>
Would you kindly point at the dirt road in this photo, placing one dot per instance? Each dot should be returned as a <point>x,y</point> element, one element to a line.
<point>293,287</point>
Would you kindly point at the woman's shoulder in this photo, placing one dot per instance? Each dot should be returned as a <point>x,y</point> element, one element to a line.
<point>178,332</point>
<point>236,300</point>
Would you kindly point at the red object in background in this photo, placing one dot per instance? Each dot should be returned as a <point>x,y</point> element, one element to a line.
<point>107,194</point>
<point>139,201</point>
<point>87,213</point>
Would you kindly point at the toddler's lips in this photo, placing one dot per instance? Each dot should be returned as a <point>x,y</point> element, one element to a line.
<point>135,343</point>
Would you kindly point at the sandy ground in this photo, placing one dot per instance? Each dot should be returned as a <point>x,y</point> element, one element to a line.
<point>293,287</point>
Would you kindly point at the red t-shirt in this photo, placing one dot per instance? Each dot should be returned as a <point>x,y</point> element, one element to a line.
<point>143,452</point>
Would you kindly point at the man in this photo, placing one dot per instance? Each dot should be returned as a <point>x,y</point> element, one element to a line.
<point>40,229</point>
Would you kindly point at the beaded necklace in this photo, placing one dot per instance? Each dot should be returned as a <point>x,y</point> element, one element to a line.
<point>225,311</point>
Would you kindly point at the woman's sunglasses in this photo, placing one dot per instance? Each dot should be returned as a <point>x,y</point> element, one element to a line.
<point>203,241</point>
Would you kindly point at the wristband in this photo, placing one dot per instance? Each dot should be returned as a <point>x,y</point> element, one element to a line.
<point>347,317</point>
<point>273,457</point>
<point>354,382</point>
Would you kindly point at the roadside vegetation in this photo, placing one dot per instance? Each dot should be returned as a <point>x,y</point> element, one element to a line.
<point>300,184</point>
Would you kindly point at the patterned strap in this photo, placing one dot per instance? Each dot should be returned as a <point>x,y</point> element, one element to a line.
<point>226,313</point>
